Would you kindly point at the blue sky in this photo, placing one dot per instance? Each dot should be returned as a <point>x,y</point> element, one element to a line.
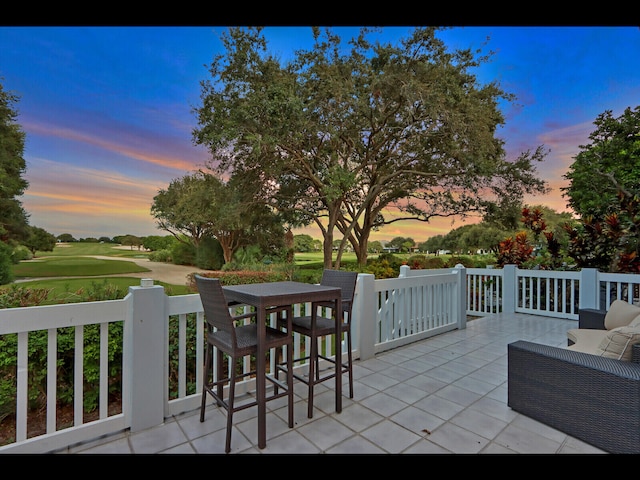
<point>108,110</point>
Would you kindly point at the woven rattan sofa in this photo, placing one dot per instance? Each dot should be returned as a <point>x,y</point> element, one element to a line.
<point>587,396</point>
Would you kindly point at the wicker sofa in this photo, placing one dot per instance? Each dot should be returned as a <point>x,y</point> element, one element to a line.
<point>585,395</point>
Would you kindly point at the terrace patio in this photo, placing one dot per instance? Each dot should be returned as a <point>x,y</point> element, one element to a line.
<point>444,394</point>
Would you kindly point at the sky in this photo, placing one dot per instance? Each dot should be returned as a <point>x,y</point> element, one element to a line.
<point>108,110</point>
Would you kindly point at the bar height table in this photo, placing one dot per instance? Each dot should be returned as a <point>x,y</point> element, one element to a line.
<point>276,294</point>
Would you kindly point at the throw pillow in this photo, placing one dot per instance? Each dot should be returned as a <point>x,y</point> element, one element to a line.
<point>618,342</point>
<point>635,322</point>
<point>620,314</point>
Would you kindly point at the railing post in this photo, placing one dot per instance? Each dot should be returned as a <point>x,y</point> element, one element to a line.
<point>144,384</point>
<point>365,314</point>
<point>589,289</point>
<point>404,271</point>
<point>461,271</point>
<point>509,289</point>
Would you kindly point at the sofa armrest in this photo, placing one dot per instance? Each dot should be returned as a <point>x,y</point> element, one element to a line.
<point>591,318</point>
<point>593,398</point>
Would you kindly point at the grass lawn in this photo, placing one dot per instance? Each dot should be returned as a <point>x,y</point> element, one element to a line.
<point>73,289</point>
<point>67,260</point>
<point>74,259</point>
<point>74,266</point>
<point>88,248</point>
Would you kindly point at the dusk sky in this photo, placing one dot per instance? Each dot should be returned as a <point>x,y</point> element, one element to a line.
<point>107,111</point>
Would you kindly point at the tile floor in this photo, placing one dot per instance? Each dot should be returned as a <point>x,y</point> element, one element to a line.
<point>446,394</point>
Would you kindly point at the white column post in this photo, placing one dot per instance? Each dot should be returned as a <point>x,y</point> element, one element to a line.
<point>145,374</point>
<point>509,289</point>
<point>365,314</point>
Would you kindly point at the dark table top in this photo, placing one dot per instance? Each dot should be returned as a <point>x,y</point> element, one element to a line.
<point>279,293</point>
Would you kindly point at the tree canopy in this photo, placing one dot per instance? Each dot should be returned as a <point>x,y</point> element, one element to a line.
<point>202,205</point>
<point>39,239</point>
<point>339,136</point>
<point>607,166</point>
<point>604,190</point>
<point>13,218</point>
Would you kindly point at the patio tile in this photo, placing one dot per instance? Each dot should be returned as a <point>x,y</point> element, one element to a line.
<point>383,404</point>
<point>325,432</point>
<point>157,439</point>
<point>444,394</point>
<point>358,417</point>
<point>390,436</point>
<point>457,439</point>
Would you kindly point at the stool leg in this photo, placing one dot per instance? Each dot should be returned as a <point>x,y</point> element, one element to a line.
<point>313,356</point>
<point>205,380</point>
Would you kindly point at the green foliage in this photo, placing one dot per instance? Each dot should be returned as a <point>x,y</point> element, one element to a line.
<point>606,166</point>
<point>156,242</point>
<point>13,218</point>
<point>163,255</point>
<point>20,253</point>
<point>102,290</point>
<point>417,261</point>
<point>463,260</point>
<point>18,296</point>
<point>174,354</point>
<point>266,127</point>
<point>387,265</point>
<point>303,243</point>
<point>6,262</point>
<point>209,254</point>
<point>432,244</point>
<point>604,190</point>
<point>202,205</point>
<point>434,262</point>
<point>131,240</point>
<point>37,358</point>
<point>401,243</point>
<point>241,277</point>
<point>39,239</point>
<point>66,237</point>
<point>375,247</point>
<point>184,254</point>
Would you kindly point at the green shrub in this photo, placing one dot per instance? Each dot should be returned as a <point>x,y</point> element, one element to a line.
<point>435,262</point>
<point>467,262</point>
<point>387,265</point>
<point>21,253</point>
<point>240,277</point>
<point>209,254</point>
<point>6,274</point>
<point>183,254</point>
<point>163,255</point>
<point>17,296</point>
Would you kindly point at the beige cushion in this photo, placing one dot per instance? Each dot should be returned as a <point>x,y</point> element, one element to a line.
<point>635,322</point>
<point>586,340</point>
<point>620,314</point>
<point>617,343</point>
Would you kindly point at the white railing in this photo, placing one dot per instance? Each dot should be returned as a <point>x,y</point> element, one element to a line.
<point>162,364</point>
<point>160,377</point>
<point>550,293</point>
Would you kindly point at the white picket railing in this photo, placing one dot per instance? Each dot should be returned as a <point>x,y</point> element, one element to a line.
<point>382,318</point>
<point>387,313</point>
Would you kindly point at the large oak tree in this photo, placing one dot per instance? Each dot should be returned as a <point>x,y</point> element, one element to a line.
<point>339,135</point>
